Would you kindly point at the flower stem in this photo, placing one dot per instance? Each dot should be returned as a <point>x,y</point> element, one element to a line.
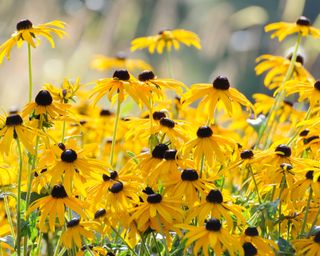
<point>155,241</point>
<point>125,242</point>
<point>114,135</point>
<point>266,127</point>
<point>314,222</point>
<point>18,240</point>
<point>201,165</point>
<point>283,183</point>
<point>306,212</point>
<point>30,72</point>
<point>169,64</point>
<point>7,209</point>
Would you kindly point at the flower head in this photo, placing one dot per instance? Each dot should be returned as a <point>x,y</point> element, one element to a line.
<point>166,38</point>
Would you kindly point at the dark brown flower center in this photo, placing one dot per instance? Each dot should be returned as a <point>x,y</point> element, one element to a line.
<point>249,249</point>
<point>221,83</point>
<point>317,237</point>
<point>317,85</point>
<point>85,247</point>
<point>213,225</point>
<point>159,150</point>
<point>146,75</point>
<point>43,98</point>
<point>148,191</point>
<point>170,154</point>
<point>251,231</point>
<point>246,154</point>
<point>214,196</point>
<point>309,139</point>
<point>309,175</point>
<point>299,58</point>
<point>303,21</point>
<point>204,132</point>
<point>62,146</point>
<point>105,112</point>
<point>154,198</point>
<point>24,24</point>
<point>100,213</point>
<point>284,149</point>
<point>157,115</point>
<point>121,74</point>
<point>69,156</point>
<point>304,133</point>
<point>13,120</point>
<point>167,122</point>
<point>286,167</point>
<point>189,175</point>
<point>72,223</point>
<point>58,191</point>
<point>116,187</point>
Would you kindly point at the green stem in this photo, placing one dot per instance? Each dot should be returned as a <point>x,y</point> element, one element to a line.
<point>114,135</point>
<point>63,131</point>
<point>57,246</point>
<point>143,243</point>
<point>124,241</point>
<point>162,233</point>
<point>18,240</point>
<point>7,209</point>
<point>169,64</point>
<point>30,72</point>
<point>283,183</point>
<point>201,165</point>
<point>306,212</point>
<point>314,222</point>
<point>155,241</point>
<point>255,183</point>
<point>266,127</point>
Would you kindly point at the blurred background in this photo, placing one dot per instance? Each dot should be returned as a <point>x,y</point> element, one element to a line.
<point>231,34</point>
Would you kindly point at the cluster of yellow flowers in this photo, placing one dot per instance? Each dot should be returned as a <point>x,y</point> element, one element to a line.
<point>203,172</point>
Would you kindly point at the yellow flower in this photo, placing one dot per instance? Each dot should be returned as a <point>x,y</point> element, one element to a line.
<point>308,246</point>
<point>44,105</point>
<point>75,232</point>
<point>213,147</point>
<point>284,29</point>
<point>211,236</point>
<point>166,38</point>
<point>54,206</point>
<point>277,67</point>
<point>212,94</point>
<point>101,62</point>
<point>27,32</point>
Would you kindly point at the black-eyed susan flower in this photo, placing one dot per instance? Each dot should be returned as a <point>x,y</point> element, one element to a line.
<point>308,246</point>
<point>166,39</point>
<point>212,236</point>
<point>45,105</point>
<point>66,92</point>
<point>120,61</point>
<point>26,32</point>
<point>212,94</point>
<point>218,205</point>
<point>284,29</point>
<point>277,67</point>
<point>213,147</point>
<point>263,246</point>
<point>12,127</point>
<point>54,206</point>
<point>157,212</point>
<point>75,232</point>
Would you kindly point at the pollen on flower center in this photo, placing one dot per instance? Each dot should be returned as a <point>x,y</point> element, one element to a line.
<point>251,231</point>
<point>146,75</point>
<point>189,175</point>
<point>14,120</point>
<point>167,122</point>
<point>170,154</point>
<point>122,74</point>
<point>214,196</point>
<point>72,223</point>
<point>116,187</point>
<point>303,21</point>
<point>204,132</point>
<point>213,225</point>
<point>221,83</point>
<point>246,154</point>
<point>159,150</point>
<point>283,149</point>
<point>43,98</point>
<point>249,249</point>
<point>309,175</point>
<point>69,156</point>
<point>24,24</point>
<point>317,85</point>
<point>154,198</point>
<point>157,115</point>
<point>317,237</point>
<point>100,213</point>
<point>58,191</point>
